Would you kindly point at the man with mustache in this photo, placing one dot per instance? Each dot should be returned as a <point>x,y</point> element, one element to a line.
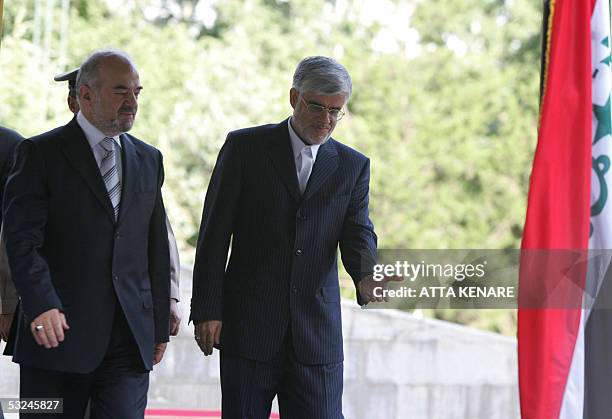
<point>88,249</point>
<point>8,297</point>
<point>286,196</point>
<point>175,266</point>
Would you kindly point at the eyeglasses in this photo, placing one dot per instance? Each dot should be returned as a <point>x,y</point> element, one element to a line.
<point>335,113</point>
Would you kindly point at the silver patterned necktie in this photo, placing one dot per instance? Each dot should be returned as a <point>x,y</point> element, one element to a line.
<point>110,173</point>
<point>306,163</point>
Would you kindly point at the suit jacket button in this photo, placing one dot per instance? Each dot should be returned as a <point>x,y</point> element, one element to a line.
<point>116,277</point>
<point>294,289</point>
<point>298,252</point>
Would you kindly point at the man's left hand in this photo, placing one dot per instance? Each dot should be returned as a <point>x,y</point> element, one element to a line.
<point>158,352</point>
<point>366,286</point>
<point>175,317</point>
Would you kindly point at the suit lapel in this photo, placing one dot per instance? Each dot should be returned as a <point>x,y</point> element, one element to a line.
<point>78,152</point>
<point>325,165</point>
<point>130,167</point>
<point>281,153</point>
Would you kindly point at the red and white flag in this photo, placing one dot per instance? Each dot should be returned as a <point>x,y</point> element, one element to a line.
<point>565,351</point>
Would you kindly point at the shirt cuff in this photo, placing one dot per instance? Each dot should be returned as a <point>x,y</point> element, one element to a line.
<point>175,293</point>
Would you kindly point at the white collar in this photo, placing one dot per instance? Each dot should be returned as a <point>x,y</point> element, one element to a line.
<point>297,144</point>
<point>93,134</point>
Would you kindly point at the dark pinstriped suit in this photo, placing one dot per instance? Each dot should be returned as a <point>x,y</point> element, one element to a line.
<point>281,281</point>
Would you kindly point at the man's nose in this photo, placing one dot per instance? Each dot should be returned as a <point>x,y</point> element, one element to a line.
<point>132,100</point>
<point>326,116</point>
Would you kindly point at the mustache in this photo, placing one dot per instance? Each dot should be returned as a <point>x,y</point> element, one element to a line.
<point>127,109</point>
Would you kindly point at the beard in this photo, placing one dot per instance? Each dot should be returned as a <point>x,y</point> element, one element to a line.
<point>111,126</point>
<point>313,136</point>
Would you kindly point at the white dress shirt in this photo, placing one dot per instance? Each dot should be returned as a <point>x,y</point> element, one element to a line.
<point>297,145</point>
<point>94,137</point>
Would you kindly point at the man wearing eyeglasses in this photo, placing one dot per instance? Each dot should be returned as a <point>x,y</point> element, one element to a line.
<point>286,195</point>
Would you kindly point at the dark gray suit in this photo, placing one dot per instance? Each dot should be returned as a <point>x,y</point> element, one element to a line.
<point>8,295</point>
<point>66,251</point>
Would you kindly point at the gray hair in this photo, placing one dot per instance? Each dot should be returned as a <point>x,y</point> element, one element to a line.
<point>322,75</point>
<point>89,73</point>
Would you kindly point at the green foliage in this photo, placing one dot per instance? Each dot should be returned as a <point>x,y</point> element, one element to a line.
<point>450,130</point>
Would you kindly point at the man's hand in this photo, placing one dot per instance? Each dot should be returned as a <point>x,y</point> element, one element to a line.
<point>207,334</point>
<point>5,326</point>
<point>48,328</point>
<point>175,318</point>
<point>366,286</point>
<point>158,352</point>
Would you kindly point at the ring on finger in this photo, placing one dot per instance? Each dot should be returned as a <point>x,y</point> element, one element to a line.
<point>39,327</point>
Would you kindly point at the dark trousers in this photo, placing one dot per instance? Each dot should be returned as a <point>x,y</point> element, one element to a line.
<point>116,389</point>
<point>304,391</point>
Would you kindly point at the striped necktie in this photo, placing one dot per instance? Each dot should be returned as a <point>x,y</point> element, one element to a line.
<point>110,173</point>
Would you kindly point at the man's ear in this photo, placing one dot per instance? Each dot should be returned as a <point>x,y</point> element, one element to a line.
<point>293,97</point>
<point>73,104</point>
